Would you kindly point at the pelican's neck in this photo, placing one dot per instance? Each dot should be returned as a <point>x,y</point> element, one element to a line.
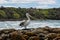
<point>28,17</point>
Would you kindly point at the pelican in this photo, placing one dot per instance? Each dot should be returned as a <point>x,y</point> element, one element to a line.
<point>25,23</point>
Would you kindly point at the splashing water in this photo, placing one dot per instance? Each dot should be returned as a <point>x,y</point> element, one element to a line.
<point>33,24</point>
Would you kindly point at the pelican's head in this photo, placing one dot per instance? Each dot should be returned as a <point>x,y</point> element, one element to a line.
<point>27,14</point>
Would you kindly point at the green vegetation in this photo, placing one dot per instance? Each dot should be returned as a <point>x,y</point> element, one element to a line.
<point>2,14</point>
<point>16,15</point>
<point>19,13</point>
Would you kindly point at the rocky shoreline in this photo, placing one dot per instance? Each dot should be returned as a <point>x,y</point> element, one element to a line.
<point>31,34</point>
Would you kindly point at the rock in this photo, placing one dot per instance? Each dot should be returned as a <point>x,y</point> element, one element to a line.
<point>16,36</point>
<point>30,34</point>
<point>26,37</point>
<point>41,36</point>
<point>34,38</point>
<point>56,30</point>
<point>37,31</point>
<point>47,27</point>
<point>51,36</point>
<point>57,38</point>
<point>6,31</point>
<point>34,34</point>
<point>1,38</point>
<point>5,36</point>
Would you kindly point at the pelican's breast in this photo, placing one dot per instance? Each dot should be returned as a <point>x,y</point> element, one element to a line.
<point>27,22</point>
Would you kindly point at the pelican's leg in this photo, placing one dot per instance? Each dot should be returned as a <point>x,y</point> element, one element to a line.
<point>25,27</point>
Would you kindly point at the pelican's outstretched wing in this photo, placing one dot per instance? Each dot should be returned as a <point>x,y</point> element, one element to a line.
<point>22,23</point>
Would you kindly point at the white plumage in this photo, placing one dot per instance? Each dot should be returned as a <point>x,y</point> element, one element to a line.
<point>25,23</point>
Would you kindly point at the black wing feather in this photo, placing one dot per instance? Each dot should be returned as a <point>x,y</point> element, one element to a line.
<point>21,24</point>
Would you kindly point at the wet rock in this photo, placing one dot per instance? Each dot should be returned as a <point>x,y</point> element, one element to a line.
<point>56,30</point>
<point>34,38</point>
<point>6,31</point>
<point>51,36</point>
<point>34,34</point>
<point>16,36</point>
<point>30,34</point>
<point>26,37</point>
<point>41,36</point>
<point>58,35</point>
<point>57,38</point>
<point>49,30</point>
<point>47,27</point>
<point>1,38</point>
<point>5,36</point>
<point>37,31</point>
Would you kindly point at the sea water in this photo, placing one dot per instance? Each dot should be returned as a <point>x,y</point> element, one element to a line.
<point>33,24</point>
